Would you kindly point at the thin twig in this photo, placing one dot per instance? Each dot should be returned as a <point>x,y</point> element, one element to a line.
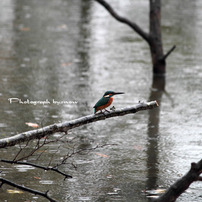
<point>21,149</point>
<point>37,147</point>
<point>168,53</point>
<point>74,152</point>
<point>53,154</point>
<point>36,166</point>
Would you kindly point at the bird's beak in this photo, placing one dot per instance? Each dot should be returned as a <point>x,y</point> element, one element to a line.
<point>115,93</point>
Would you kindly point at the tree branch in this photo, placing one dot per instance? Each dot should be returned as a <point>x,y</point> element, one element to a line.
<point>168,53</point>
<point>67,156</point>
<point>65,126</point>
<point>5,181</point>
<point>36,166</point>
<point>39,145</point>
<point>182,184</point>
<point>124,20</point>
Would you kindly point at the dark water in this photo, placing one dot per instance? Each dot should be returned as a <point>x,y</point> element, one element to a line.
<point>74,51</point>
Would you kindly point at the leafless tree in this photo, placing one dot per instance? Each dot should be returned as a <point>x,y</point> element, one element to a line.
<point>153,38</point>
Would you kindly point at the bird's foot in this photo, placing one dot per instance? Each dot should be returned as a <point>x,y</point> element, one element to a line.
<point>113,108</point>
<point>107,111</point>
<point>101,112</point>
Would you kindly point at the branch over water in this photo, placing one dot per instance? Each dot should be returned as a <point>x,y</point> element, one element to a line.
<point>65,126</point>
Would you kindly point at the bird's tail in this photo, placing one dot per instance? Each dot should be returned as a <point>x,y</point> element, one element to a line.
<point>94,110</point>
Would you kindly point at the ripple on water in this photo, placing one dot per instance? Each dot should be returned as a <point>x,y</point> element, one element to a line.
<point>46,182</point>
<point>86,198</point>
<point>23,168</point>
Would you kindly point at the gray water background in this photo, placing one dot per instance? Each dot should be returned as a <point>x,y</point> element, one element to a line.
<point>75,51</point>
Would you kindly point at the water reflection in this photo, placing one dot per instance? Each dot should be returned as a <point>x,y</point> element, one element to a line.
<point>83,86</point>
<point>157,90</point>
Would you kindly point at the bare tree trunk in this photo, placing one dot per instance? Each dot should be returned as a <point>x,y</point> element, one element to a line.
<point>155,42</point>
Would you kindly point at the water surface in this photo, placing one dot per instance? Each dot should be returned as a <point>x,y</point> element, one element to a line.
<point>74,51</point>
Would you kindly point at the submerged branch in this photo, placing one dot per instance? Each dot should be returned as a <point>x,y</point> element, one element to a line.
<point>5,181</point>
<point>124,20</point>
<point>65,126</point>
<point>182,184</point>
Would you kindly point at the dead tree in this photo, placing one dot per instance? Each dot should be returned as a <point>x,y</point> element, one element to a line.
<point>153,38</point>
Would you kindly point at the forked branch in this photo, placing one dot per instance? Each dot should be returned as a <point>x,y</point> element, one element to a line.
<point>124,20</point>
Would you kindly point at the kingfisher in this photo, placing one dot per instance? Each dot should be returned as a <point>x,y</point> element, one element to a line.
<point>105,101</point>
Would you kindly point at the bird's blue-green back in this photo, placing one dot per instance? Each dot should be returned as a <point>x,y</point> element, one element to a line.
<point>102,101</point>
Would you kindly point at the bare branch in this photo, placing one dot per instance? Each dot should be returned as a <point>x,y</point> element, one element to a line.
<point>65,126</point>
<point>182,184</point>
<point>36,166</point>
<point>124,20</point>
<point>21,149</point>
<point>80,151</point>
<point>38,146</point>
<point>45,195</point>
<point>168,53</point>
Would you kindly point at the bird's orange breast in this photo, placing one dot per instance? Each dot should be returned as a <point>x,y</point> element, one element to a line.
<point>106,105</point>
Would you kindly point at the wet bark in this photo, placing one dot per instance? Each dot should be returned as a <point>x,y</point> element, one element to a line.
<point>155,42</point>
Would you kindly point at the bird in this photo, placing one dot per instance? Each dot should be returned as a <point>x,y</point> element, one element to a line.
<point>105,101</point>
